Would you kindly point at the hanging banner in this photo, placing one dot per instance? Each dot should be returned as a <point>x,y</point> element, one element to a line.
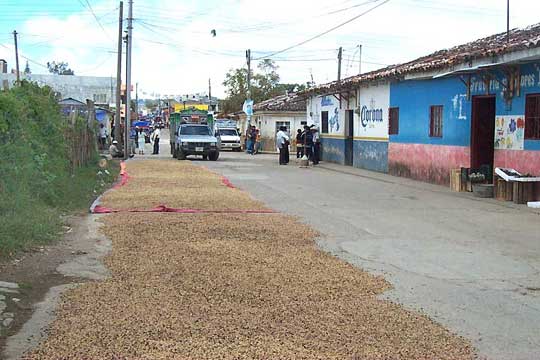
<point>509,132</point>
<point>248,107</point>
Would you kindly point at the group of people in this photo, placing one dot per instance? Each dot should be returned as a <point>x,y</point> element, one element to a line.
<point>137,140</point>
<point>253,140</point>
<point>307,143</point>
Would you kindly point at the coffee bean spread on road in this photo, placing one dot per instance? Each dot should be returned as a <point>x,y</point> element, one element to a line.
<point>228,286</point>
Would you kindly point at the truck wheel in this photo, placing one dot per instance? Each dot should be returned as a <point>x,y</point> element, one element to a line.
<point>214,156</point>
<point>205,157</point>
<point>180,155</point>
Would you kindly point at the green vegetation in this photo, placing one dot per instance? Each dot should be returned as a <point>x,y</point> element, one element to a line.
<point>265,84</point>
<point>37,182</point>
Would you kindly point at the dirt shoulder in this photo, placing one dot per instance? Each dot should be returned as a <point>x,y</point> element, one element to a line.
<point>71,260</point>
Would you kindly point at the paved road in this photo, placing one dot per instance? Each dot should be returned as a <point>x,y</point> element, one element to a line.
<point>470,264</point>
<point>473,265</point>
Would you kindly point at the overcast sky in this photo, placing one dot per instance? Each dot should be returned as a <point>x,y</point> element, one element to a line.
<point>175,53</point>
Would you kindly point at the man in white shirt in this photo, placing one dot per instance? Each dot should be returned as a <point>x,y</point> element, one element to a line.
<point>155,139</point>
<point>282,143</point>
<point>316,145</point>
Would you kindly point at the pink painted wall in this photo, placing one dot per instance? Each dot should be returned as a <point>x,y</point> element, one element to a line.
<point>424,162</point>
<point>521,160</point>
<point>526,162</point>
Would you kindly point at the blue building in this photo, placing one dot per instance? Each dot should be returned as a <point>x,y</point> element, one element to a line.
<point>475,106</point>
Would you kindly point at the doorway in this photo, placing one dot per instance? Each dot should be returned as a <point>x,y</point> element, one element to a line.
<point>349,137</point>
<point>483,133</point>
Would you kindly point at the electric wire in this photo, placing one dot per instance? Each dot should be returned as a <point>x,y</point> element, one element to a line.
<point>325,32</point>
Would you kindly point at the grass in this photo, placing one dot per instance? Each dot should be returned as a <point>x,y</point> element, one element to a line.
<point>27,221</point>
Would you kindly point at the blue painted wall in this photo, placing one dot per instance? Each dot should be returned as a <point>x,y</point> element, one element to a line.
<point>415,97</point>
<point>333,150</point>
<point>371,155</point>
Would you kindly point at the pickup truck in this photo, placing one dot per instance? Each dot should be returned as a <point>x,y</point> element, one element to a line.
<point>230,139</point>
<point>196,139</point>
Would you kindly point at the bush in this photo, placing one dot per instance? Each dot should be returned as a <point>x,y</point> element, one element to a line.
<point>38,182</point>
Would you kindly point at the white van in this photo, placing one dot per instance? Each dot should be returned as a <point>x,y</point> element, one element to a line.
<point>230,138</point>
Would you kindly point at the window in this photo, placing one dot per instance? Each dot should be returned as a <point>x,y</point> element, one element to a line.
<point>287,124</point>
<point>532,117</point>
<point>393,121</point>
<point>100,98</point>
<point>324,122</point>
<point>435,121</point>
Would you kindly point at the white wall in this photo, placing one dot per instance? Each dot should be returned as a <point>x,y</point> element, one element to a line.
<point>373,119</point>
<point>102,90</point>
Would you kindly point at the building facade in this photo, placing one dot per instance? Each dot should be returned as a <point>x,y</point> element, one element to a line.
<point>101,90</point>
<point>474,106</point>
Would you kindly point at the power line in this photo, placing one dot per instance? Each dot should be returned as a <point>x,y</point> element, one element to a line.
<point>325,32</point>
<point>95,17</point>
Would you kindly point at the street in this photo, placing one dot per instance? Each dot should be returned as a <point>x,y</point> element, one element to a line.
<point>472,265</point>
<point>475,275</point>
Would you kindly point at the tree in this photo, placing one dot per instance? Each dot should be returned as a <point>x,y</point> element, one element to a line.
<point>60,68</point>
<point>265,85</point>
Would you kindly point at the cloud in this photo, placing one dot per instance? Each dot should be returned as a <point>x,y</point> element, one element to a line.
<point>175,53</point>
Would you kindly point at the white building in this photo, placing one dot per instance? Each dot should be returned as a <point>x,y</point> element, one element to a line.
<point>101,90</point>
<point>285,110</point>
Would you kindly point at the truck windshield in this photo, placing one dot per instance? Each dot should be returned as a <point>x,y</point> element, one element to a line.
<point>227,132</point>
<point>195,130</point>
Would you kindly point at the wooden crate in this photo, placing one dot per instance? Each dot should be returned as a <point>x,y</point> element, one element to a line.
<point>504,189</point>
<point>455,180</point>
<point>523,192</point>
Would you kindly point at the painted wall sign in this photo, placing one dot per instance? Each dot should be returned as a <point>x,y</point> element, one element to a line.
<point>509,132</point>
<point>331,104</point>
<point>369,116</point>
<point>373,117</point>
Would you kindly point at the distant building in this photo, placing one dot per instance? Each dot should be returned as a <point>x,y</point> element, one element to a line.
<point>101,90</point>
<point>287,110</point>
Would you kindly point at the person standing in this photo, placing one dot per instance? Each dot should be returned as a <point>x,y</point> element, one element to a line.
<point>155,139</point>
<point>253,136</point>
<point>316,145</point>
<point>299,144</point>
<point>141,141</point>
<point>249,140</point>
<point>132,141</point>
<point>282,143</point>
<point>257,141</point>
<point>102,136</point>
<point>308,142</point>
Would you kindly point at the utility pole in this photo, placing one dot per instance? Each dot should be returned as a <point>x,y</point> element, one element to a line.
<point>16,55</point>
<point>117,133</point>
<point>210,94</point>
<point>508,21</point>
<point>128,75</point>
<point>137,101</point>
<point>359,59</point>
<point>339,56</point>
<point>248,59</point>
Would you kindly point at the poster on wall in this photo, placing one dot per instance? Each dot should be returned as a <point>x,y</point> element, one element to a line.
<point>509,132</point>
<point>331,105</point>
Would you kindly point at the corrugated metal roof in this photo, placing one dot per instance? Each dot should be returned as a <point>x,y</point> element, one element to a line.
<point>520,39</point>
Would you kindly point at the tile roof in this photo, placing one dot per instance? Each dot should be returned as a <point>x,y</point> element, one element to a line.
<point>287,102</point>
<point>520,39</point>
